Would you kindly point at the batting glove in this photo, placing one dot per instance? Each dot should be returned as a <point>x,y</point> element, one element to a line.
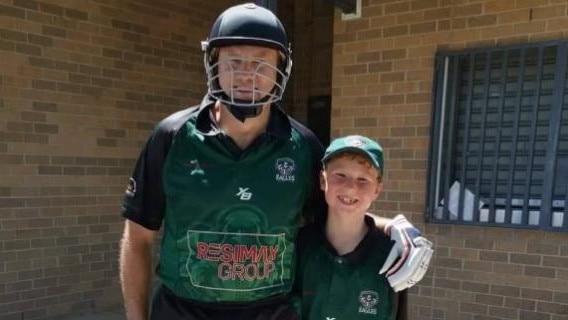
<point>409,257</point>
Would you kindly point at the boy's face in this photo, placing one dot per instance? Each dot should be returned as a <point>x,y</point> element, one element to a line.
<point>350,185</point>
<point>247,72</point>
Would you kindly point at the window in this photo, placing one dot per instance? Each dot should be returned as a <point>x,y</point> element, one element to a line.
<point>499,143</point>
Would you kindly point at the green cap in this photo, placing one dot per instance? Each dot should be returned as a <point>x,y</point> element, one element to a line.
<point>356,144</point>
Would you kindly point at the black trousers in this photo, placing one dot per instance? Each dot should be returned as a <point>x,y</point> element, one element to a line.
<point>167,306</point>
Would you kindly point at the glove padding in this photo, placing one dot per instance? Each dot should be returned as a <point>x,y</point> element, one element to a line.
<point>412,251</point>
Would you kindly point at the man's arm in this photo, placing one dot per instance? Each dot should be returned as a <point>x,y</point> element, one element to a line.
<point>136,269</point>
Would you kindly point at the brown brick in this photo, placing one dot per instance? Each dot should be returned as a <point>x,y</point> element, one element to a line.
<point>16,244</point>
<point>50,170</point>
<point>542,248</point>
<point>493,256</point>
<point>40,40</point>
<point>89,70</point>
<point>490,300</point>
<point>7,46</point>
<point>27,4</point>
<point>13,35</point>
<point>380,67</point>
<point>554,308</point>
<point>525,259</point>
<point>66,66</point>
<point>395,31</point>
<point>54,31</point>
<point>43,85</point>
<point>76,14</point>
<point>392,77</point>
<point>482,21</point>
<point>69,87</point>
<point>467,10</point>
<point>397,7</point>
<point>475,287</point>
<point>46,128</point>
<point>41,62</point>
<point>524,314</point>
<point>473,308</point>
<point>425,27</point>
<point>502,313</point>
<point>535,294</point>
<point>19,126</point>
<point>482,266</point>
<point>51,9</point>
<point>557,262</point>
<point>28,49</point>
<point>479,244</point>
<point>523,304</point>
<point>447,283</point>
<point>12,12</point>
<point>449,263</point>
<point>507,291</point>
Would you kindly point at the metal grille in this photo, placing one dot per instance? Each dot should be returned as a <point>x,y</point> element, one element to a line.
<point>499,147</point>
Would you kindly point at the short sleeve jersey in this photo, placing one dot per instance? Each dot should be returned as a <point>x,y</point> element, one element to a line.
<point>345,287</point>
<point>230,216</point>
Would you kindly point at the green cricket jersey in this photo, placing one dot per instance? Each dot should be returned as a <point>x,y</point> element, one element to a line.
<point>230,216</point>
<point>346,287</point>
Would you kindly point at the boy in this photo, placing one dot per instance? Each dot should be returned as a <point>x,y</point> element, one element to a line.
<point>336,270</point>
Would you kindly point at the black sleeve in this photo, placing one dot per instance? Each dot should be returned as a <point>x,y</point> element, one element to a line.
<point>315,208</point>
<point>144,200</point>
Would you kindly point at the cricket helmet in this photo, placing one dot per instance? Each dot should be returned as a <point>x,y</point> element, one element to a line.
<point>252,25</point>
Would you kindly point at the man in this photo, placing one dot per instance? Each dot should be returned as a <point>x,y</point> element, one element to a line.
<point>230,179</point>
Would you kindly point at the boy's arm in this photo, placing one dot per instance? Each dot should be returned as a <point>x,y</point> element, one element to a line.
<point>410,255</point>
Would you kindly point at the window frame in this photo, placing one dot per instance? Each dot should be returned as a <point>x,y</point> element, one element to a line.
<point>446,91</point>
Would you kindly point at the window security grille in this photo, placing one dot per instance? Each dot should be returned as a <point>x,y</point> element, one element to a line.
<point>499,141</point>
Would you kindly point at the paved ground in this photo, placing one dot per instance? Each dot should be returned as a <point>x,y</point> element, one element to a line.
<point>104,315</point>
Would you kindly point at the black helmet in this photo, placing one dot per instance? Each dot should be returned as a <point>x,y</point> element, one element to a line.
<point>247,24</point>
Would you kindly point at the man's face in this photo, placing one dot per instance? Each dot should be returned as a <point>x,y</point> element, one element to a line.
<point>247,72</point>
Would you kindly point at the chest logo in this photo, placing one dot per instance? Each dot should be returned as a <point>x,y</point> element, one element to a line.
<point>368,300</point>
<point>285,170</point>
<point>244,194</point>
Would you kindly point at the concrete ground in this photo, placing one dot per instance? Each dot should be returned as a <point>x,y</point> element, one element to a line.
<point>103,315</point>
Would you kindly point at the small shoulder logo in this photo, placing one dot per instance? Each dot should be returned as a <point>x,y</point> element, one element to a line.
<point>368,300</point>
<point>131,187</point>
<point>285,170</point>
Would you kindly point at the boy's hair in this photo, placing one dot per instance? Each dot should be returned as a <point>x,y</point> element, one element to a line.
<point>360,158</point>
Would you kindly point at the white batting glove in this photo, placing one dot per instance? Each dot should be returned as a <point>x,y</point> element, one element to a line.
<point>411,252</point>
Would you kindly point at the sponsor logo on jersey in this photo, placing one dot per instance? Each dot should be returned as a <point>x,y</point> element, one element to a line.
<point>131,188</point>
<point>285,170</point>
<point>240,262</point>
<point>244,194</point>
<point>368,300</point>
<point>231,261</point>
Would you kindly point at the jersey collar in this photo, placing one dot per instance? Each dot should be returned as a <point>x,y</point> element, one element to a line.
<point>367,245</point>
<point>279,124</point>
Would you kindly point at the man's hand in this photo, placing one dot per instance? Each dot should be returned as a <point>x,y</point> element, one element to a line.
<point>409,257</point>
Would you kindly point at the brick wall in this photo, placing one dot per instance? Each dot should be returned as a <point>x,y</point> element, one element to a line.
<point>81,85</point>
<point>381,84</point>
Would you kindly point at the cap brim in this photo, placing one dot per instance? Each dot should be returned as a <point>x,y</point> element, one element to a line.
<point>362,152</point>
